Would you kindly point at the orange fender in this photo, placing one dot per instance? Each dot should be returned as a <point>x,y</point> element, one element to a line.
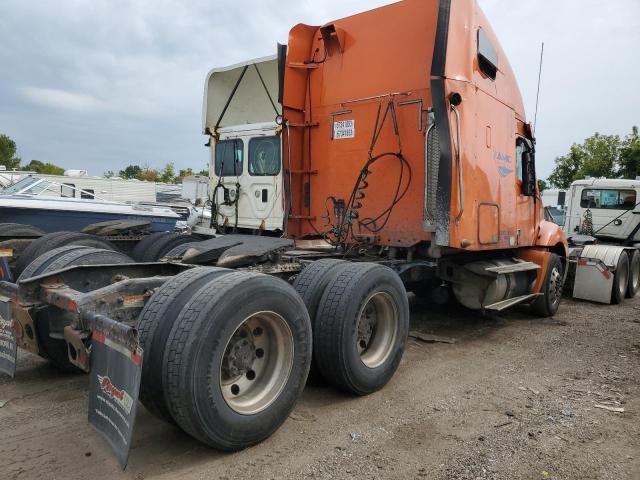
<point>550,235</point>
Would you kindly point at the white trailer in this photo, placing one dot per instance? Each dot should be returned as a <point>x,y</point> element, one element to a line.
<point>195,188</point>
<point>603,228</point>
<point>240,115</point>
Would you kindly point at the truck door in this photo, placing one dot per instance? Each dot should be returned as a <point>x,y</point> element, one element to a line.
<point>264,181</point>
<point>249,194</point>
<point>228,165</point>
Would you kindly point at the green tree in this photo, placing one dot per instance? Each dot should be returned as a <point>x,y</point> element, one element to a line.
<point>567,168</point>
<point>168,173</point>
<point>148,174</point>
<point>630,155</point>
<point>596,157</point>
<point>44,168</point>
<point>109,174</point>
<point>131,171</point>
<point>542,185</point>
<point>8,153</point>
<point>204,172</point>
<point>601,156</point>
<point>187,172</point>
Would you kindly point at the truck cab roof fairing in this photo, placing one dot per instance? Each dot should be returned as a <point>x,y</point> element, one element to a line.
<point>250,103</point>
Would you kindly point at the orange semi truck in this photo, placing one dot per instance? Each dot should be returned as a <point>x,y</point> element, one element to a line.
<point>405,133</point>
<point>407,164</point>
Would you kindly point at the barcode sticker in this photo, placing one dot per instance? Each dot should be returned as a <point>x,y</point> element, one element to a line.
<point>344,129</point>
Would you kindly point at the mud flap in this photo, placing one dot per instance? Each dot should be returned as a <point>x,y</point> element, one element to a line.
<point>8,342</point>
<point>593,280</point>
<point>116,365</point>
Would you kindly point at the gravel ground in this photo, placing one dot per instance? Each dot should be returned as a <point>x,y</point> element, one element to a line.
<point>514,397</point>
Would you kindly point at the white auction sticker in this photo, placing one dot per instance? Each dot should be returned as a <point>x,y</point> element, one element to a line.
<point>344,129</point>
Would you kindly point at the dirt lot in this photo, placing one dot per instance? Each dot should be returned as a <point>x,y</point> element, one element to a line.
<point>515,397</point>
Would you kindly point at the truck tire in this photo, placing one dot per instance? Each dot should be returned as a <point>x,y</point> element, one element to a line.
<point>156,246</point>
<point>620,279</point>
<point>432,292</point>
<point>179,251</point>
<point>154,324</point>
<point>55,240</point>
<point>311,282</point>
<point>634,273</point>
<point>55,349</point>
<point>548,303</point>
<point>143,245</point>
<point>19,230</point>
<point>41,262</point>
<point>361,327</point>
<point>237,359</point>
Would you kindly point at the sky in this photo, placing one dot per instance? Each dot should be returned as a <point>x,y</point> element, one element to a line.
<point>101,84</point>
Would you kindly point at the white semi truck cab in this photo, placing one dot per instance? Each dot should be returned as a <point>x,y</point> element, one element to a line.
<point>602,224</point>
<point>239,116</point>
<point>613,205</point>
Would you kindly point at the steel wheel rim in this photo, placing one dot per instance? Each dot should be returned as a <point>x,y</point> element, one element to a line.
<point>256,363</point>
<point>377,329</point>
<point>555,286</point>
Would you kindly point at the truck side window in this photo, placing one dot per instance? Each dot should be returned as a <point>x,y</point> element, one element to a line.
<point>264,156</point>
<point>229,158</point>
<point>487,55</point>
<point>521,147</point>
<point>608,199</point>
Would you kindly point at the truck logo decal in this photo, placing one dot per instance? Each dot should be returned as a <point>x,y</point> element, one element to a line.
<point>501,159</point>
<point>504,171</point>
<point>122,398</point>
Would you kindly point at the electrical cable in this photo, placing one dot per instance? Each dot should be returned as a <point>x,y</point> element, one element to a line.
<point>343,230</point>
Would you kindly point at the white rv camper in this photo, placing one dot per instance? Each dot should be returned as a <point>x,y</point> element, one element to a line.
<point>78,184</point>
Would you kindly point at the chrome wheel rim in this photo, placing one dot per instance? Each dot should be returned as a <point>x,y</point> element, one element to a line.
<point>257,362</point>
<point>377,329</point>
<point>555,286</point>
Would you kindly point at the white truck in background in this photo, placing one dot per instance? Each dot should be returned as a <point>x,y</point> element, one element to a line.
<point>602,224</point>
<point>240,115</point>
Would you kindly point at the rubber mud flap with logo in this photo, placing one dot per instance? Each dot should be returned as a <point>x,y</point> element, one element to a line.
<point>8,344</point>
<point>116,367</point>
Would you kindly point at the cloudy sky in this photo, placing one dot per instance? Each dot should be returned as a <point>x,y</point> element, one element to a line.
<point>104,83</point>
